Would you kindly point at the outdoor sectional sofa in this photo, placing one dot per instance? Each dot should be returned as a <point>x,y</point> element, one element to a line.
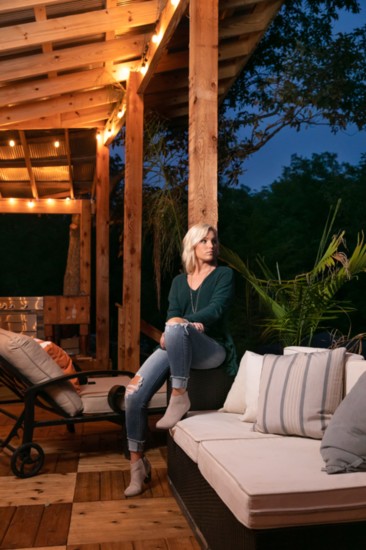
<point>280,465</point>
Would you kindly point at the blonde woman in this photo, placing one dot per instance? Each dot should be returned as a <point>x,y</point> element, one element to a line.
<point>195,336</point>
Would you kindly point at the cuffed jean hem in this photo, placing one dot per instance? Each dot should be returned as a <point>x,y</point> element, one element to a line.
<point>135,446</point>
<point>179,382</point>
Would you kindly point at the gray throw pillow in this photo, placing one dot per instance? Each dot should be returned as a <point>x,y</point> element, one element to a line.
<point>343,447</point>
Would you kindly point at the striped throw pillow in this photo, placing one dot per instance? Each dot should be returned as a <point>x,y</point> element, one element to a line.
<point>299,393</point>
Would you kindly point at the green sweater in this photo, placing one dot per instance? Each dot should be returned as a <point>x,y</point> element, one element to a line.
<point>211,302</point>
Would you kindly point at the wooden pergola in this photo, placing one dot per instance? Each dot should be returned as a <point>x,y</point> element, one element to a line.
<point>72,73</point>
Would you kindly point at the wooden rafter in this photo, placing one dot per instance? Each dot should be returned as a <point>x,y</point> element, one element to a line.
<point>121,19</point>
<point>68,156</point>
<point>71,58</point>
<point>28,164</point>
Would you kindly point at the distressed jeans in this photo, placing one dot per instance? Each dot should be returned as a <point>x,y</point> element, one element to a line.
<point>186,348</point>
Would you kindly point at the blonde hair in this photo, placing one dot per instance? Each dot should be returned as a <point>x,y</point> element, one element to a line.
<point>194,235</point>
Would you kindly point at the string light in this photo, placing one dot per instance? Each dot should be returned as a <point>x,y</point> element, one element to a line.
<point>174,2</point>
<point>123,74</point>
<point>98,136</point>
<point>121,112</point>
<point>12,143</point>
<point>31,204</point>
<point>57,144</point>
<point>143,69</point>
<point>156,38</point>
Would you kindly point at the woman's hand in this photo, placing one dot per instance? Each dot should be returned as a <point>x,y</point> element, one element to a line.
<point>198,326</point>
<point>162,341</point>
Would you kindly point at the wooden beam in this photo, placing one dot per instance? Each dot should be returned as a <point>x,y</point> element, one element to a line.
<point>85,248</point>
<point>46,88</point>
<point>59,105</point>
<point>68,156</point>
<point>132,225</point>
<point>122,18</point>
<point>168,22</point>
<point>83,118</point>
<point>40,206</point>
<point>115,122</point>
<point>28,164</point>
<point>203,109</point>
<point>102,256</point>
<point>120,49</point>
<point>11,5</point>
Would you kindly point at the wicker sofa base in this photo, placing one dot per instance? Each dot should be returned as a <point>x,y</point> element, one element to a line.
<point>218,529</point>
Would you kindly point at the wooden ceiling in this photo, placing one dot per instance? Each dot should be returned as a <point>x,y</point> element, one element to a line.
<point>63,71</point>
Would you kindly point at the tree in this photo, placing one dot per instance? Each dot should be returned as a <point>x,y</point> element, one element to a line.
<point>302,73</point>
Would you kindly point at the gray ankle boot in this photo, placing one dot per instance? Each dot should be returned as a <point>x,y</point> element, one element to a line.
<point>178,406</point>
<point>140,473</point>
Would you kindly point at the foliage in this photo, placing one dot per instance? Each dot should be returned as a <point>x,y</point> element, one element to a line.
<point>301,306</point>
<point>302,73</point>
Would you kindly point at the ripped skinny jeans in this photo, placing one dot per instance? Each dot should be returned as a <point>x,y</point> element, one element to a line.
<point>186,348</point>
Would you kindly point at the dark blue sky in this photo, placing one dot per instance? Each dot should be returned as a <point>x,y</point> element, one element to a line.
<point>267,164</point>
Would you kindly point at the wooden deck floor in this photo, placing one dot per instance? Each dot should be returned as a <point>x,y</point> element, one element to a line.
<point>77,502</point>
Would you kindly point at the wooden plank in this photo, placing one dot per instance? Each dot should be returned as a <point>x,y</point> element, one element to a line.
<point>119,49</point>
<point>122,18</point>
<point>115,546</point>
<point>126,520</point>
<point>11,5</point>
<point>203,108</point>
<point>102,256</point>
<point>85,248</point>
<point>6,516</point>
<point>87,487</point>
<point>168,22</point>
<point>68,83</point>
<point>67,103</point>
<point>17,536</point>
<point>41,206</point>
<point>184,543</point>
<point>28,164</point>
<point>54,526</point>
<point>43,489</point>
<point>150,544</point>
<point>111,485</point>
<point>132,241</point>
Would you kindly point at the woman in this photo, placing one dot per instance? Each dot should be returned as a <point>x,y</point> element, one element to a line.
<point>195,337</point>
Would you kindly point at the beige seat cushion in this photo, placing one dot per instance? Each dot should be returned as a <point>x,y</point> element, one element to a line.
<point>33,362</point>
<point>212,426</point>
<point>279,482</point>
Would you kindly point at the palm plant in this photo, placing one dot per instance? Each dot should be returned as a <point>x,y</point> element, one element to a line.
<point>299,307</point>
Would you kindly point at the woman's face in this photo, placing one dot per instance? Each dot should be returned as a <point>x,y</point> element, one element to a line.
<point>206,250</point>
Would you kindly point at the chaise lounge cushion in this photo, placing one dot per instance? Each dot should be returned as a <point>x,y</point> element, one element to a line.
<point>299,393</point>
<point>343,447</point>
<point>33,362</point>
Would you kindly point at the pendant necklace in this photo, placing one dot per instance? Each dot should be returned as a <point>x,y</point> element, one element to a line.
<point>195,306</point>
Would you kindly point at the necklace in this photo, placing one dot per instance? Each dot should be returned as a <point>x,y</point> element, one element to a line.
<point>198,290</point>
<point>195,306</point>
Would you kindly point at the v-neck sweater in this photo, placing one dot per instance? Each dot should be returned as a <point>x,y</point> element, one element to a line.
<point>211,302</point>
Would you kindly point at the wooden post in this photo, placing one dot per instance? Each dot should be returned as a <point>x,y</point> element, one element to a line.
<point>132,225</point>
<point>85,248</point>
<point>203,108</point>
<point>102,256</point>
